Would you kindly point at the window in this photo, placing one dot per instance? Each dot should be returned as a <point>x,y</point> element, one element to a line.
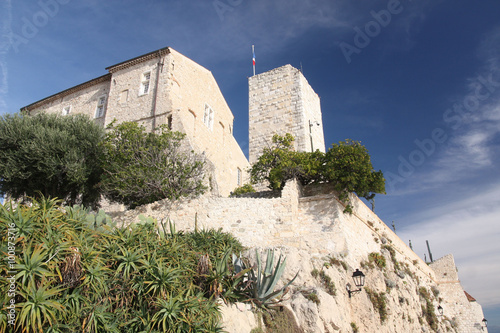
<point>208,116</point>
<point>124,97</point>
<point>66,110</point>
<point>99,111</point>
<point>239,177</point>
<point>169,122</point>
<point>146,78</point>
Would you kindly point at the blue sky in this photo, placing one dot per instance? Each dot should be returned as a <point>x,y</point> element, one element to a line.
<point>417,82</point>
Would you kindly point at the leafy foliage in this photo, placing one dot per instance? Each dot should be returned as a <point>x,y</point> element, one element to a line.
<point>79,273</point>
<point>247,188</point>
<point>347,165</point>
<point>50,155</point>
<point>143,167</point>
<point>379,302</point>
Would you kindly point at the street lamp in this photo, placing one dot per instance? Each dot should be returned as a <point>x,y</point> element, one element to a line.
<point>485,323</point>
<point>359,281</point>
<point>440,310</point>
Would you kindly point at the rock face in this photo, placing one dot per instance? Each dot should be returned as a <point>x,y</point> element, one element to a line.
<point>308,226</point>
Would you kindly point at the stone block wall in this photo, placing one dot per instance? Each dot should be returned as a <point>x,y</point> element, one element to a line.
<point>79,100</point>
<point>192,87</point>
<point>465,313</point>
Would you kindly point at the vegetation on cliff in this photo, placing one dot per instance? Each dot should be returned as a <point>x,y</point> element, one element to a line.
<point>76,271</point>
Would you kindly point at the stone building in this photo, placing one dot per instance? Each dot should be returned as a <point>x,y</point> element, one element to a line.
<point>162,87</point>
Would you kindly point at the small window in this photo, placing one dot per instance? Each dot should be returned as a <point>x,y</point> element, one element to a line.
<point>208,116</point>
<point>99,111</point>
<point>146,78</point>
<point>124,97</point>
<point>169,122</point>
<point>240,182</point>
<point>66,110</point>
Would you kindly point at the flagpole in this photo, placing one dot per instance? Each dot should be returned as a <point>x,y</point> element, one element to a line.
<point>253,59</point>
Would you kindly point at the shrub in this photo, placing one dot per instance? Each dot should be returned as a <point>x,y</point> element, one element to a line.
<point>392,252</point>
<point>379,303</point>
<point>280,320</point>
<point>142,168</point>
<point>78,274</point>
<point>312,296</point>
<point>338,262</point>
<point>247,188</point>
<point>377,259</point>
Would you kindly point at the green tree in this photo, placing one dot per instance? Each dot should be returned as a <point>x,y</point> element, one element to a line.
<point>347,165</point>
<point>51,155</point>
<point>143,167</point>
<point>279,163</point>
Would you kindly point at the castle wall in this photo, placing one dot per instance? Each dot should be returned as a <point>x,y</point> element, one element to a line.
<point>191,89</point>
<point>82,101</point>
<point>128,102</point>
<point>466,314</point>
<point>311,108</point>
<point>308,226</point>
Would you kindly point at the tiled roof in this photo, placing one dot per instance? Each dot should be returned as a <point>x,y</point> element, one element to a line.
<point>469,297</point>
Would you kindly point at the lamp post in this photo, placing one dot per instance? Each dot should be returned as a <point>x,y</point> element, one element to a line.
<point>485,323</point>
<point>359,281</point>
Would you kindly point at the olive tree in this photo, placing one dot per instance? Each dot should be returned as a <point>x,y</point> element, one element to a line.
<point>51,155</point>
<point>142,167</point>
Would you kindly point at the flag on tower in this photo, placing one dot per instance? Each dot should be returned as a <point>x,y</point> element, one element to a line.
<point>253,59</point>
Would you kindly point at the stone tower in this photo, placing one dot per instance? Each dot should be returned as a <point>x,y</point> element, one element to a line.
<point>282,101</point>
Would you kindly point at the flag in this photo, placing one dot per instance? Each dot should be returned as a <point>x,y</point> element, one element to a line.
<point>253,59</point>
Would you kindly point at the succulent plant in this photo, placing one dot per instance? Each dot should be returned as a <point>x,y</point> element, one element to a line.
<point>265,281</point>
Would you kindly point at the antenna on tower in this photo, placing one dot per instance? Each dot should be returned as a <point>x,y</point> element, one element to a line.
<point>301,70</point>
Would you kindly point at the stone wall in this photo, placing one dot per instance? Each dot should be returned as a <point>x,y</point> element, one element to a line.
<point>191,88</point>
<point>79,101</point>
<point>309,226</point>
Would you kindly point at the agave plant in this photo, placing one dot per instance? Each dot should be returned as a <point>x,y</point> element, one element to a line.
<point>265,281</point>
<point>32,267</point>
<point>39,307</point>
